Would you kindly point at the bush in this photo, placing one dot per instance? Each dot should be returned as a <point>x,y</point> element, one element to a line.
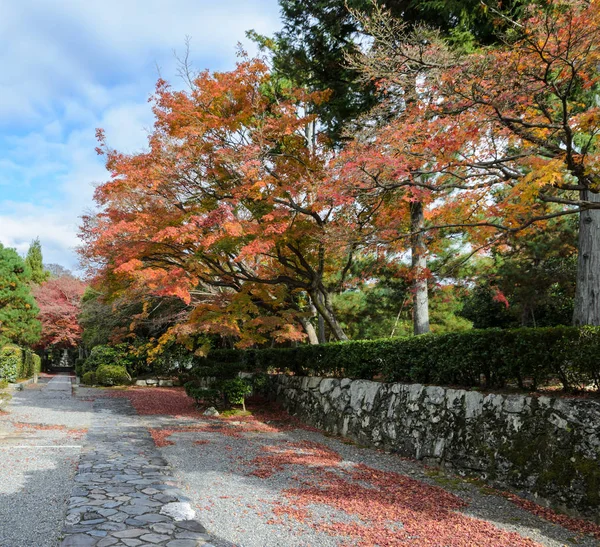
<point>10,363</point>
<point>89,378</point>
<point>235,390</point>
<point>37,363</point>
<point>528,357</point>
<point>203,395</point>
<point>112,375</point>
<point>16,362</point>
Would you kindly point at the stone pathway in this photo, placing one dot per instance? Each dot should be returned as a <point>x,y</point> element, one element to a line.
<point>60,383</point>
<point>125,493</point>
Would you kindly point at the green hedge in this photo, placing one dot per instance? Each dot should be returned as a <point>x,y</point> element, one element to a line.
<point>112,375</point>
<point>494,357</point>
<point>16,362</point>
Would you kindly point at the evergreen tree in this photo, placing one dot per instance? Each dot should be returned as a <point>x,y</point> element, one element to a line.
<point>318,36</point>
<point>34,261</point>
<point>18,310</point>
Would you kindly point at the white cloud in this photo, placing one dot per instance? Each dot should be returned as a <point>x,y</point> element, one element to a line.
<point>69,67</point>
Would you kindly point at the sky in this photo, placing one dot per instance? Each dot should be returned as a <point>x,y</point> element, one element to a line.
<point>71,66</point>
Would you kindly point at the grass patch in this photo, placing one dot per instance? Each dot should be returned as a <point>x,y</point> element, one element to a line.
<point>235,412</point>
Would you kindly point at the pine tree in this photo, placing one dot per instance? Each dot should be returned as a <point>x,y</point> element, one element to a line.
<point>34,261</point>
<point>18,310</point>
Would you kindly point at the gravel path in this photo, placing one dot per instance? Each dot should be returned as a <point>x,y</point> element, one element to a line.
<point>40,442</point>
<point>297,488</point>
<point>262,481</point>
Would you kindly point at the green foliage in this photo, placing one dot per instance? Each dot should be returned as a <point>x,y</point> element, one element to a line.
<point>18,310</point>
<point>34,261</point>
<point>203,395</point>
<point>525,357</point>
<point>119,354</point>
<point>112,375</point>
<point>37,363</point>
<point>10,363</point>
<point>89,378</point>
<point>530,282</point>
<point>16,363</point>
<point>235,390</point>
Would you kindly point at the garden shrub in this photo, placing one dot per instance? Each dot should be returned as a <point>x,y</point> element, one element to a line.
<point>37,363</point>
<point>10,363</point>
<point>527,357</point>
<point>16,362</point>
<point>112,375</point>
<point>203,395</point>
<point>89,378</point>
<point>235,391</point>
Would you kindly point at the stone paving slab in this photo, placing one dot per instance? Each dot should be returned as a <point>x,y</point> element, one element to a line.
<point>125,493</point>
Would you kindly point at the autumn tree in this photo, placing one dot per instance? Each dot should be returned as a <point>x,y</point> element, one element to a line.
<point>229,210</point>
<point>59,302</point>
<point>18,310</point>
<point>520,122</point>
<point>539,96</point>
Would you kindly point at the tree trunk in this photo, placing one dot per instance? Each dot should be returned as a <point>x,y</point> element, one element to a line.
<point>321,325</point>
<point>587,291</point>
<point>419,269</point>
<point>308,327</point>
<point>325,310</point>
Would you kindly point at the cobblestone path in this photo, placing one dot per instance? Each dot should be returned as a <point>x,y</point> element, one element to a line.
<point>124,492</point>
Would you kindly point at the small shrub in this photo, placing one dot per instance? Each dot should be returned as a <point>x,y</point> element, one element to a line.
<point>235,390</point>
<point>89,378</point>
<point>203,395</point>
<point>112,375</point>
<point>10,363</point>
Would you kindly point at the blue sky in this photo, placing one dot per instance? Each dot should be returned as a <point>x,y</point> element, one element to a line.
<point>70,66</point>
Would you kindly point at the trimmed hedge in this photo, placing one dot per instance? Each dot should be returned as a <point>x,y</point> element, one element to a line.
<point>16,362</point>
<point>89,378</point>
<point>528,357</point>
<point>10,363</point>
<point>112,375</point>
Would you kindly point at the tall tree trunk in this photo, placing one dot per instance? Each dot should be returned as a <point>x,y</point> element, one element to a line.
<point>419,269</point>
<point>321,324</point>
<point>326,311</point>
<point>309,329</point>
<point>587,292</point>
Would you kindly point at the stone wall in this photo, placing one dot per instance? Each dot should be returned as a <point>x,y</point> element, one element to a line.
<point>546,446</point>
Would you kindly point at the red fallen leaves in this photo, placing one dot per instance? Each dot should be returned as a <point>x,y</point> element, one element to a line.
<point>579,526</point>
<point>379,501</point>
<point>73,432</point>
<point>301,453</point>
<point>159,400</point>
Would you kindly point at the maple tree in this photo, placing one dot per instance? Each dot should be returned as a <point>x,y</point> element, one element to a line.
<point>538,97</point>
<point>229,210</point>
<point>59,301</point>
<point>509,139</point>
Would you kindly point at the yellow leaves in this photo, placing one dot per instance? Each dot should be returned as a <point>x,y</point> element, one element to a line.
<point>233,228</point>
<point>542,174</point>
